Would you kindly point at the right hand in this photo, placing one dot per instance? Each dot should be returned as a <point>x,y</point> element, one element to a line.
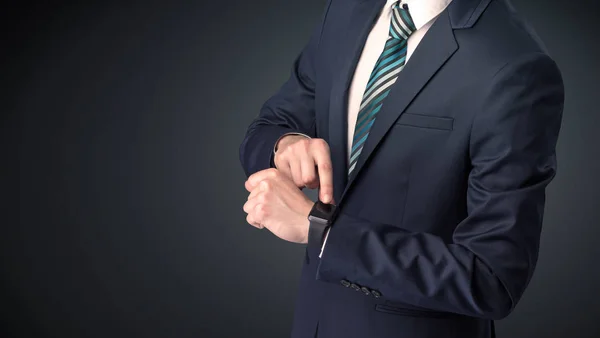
<point>307,162</point>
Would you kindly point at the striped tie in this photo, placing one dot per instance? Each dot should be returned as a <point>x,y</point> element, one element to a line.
<point>384,74</point>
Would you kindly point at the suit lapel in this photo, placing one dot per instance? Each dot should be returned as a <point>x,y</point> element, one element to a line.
<point>361,18</point>
<point>433,50</point>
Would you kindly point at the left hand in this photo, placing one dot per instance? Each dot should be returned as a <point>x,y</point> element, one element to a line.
<point>276,203</point>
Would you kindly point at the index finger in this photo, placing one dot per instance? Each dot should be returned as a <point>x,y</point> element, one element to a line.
<point>325,170</point>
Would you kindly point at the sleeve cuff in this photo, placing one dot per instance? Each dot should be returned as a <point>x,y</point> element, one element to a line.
<point>324,241</point>
<point>343,250</point>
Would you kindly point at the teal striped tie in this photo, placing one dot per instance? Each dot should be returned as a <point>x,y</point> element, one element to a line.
<point>384,74</point>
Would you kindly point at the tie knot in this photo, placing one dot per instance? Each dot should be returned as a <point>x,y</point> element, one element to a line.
<point>402,25</point>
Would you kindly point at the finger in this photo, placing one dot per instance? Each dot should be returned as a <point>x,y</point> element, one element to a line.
<point>296,171</point>
<point>322,158</point>
<point>309,174</point>
<point>254,193</point>
<point>251,221</point>
<point>284,168</point>
<point>250,204</point>
<point>259,176</point>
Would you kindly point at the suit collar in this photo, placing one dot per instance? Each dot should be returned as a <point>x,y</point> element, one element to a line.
<point>423,11</point>
<point>464,13</point>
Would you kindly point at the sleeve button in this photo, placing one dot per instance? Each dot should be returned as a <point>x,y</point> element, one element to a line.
<point>365,290</point>
<point>355,287</point>
<point>345,283</point>
<point>375,293</point>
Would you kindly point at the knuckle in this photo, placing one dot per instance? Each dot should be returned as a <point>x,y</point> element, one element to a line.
<point>260,211</point>
<point>321,143</point>
<point>281,156</point>
<point>326,165</point>
<point>304,141</point>
<point>302,146</point>
<point>266,185</point>
<point>308,178</point>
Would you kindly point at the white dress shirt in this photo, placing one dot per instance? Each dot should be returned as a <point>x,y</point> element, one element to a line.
<point>423,13</point>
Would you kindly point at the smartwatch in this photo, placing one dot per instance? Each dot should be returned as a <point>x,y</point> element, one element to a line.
<point>320,217</point>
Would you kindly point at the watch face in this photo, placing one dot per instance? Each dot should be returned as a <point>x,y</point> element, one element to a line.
<point>322,211</point>
<point>325,208</point>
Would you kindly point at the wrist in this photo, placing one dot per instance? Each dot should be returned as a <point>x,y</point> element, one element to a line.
<point>289,138</point>
<point>281,143</point>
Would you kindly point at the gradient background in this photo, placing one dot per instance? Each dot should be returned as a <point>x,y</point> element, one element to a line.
<point>122,190</point>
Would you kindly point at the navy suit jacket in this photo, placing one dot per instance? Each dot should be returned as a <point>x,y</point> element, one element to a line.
<point>438,227</point>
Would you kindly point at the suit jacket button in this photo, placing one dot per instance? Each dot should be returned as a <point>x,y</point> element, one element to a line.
<point>355,287</point>
<point>375,293</point>
<point>345,283</point>
<point>365,290</point>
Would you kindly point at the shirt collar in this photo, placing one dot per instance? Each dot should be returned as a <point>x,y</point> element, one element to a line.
<point>422,11</point>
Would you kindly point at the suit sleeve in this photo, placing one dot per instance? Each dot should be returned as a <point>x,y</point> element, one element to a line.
<point>290,109</point>
<point>488,264</point>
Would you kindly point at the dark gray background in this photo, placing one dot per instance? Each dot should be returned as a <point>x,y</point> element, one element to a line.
<point>122,191</point>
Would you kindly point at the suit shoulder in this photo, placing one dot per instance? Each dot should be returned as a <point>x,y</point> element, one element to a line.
<point>501,35</point>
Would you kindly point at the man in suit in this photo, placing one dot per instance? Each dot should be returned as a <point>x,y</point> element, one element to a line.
<point>431,125</point>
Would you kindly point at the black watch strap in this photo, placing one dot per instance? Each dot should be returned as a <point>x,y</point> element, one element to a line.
<point>320,217</point>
